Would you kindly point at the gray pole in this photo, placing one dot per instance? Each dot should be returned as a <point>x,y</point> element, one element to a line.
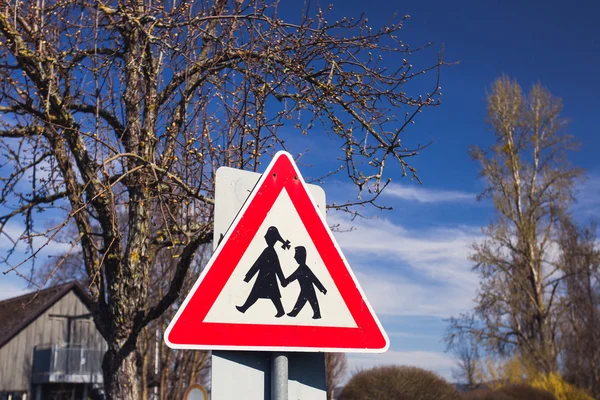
<point>279,376</point>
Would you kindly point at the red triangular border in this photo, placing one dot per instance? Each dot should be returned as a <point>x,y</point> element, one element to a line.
<point>188,331</point>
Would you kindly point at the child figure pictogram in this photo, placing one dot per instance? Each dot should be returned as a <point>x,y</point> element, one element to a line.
<point>269,271</point>
<point>307,280</point>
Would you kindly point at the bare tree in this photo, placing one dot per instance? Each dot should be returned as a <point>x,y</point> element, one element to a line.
<point>580,326</point>
<point>468,370</point>
<point>530,183</point>
<point>161,370</point>
<point>127,108</point>
<point>336,367</point>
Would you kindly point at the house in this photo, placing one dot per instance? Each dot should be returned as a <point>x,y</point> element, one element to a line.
<point>49,346</point>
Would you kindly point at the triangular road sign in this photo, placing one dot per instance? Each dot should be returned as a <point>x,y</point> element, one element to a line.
<point>278,280</point>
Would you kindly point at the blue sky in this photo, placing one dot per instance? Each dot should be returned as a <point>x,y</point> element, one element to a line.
<point>412,262</point>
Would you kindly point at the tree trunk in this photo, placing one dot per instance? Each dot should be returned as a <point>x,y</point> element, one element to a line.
<point>165,371</point>
<point>144,376</point>
<point>120,376</point>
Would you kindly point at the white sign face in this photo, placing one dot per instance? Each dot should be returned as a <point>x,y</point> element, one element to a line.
<point>332,310</point>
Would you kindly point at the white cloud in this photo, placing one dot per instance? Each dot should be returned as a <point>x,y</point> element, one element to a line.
<point>423,195</point>
<point>412,335</point>
<point>411,272</point>
<point>439,253</point>
<point>15,232</point>
<point>588,197</point>
<point>437,362</point>
<point>9,289</point>
<point>21,259</point>
<point>394,295</point>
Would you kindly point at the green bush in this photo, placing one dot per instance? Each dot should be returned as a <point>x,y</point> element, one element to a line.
<point>398,383</point>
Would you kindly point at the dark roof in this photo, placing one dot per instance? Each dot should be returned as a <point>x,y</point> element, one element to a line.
<point>18,312</point>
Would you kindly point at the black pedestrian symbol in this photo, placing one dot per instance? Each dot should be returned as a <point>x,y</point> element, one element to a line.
<point>307,280</point>
<point>269,270</point>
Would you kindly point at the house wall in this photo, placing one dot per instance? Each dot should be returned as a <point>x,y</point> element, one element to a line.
<point>16,356</point>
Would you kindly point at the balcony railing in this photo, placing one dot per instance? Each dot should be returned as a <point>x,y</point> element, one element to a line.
<point>68,364</point>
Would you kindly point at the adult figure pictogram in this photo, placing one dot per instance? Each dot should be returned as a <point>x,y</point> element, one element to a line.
<point>269,271</point>
<point>307,280</point>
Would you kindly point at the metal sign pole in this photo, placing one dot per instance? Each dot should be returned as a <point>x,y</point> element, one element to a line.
<point>279,376</point>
